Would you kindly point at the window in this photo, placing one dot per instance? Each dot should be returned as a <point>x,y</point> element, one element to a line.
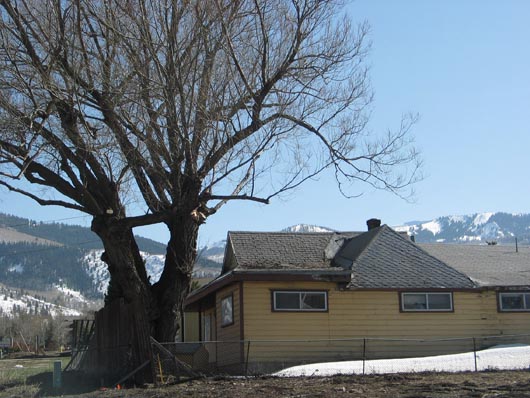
<point>207,333</point>
<point>514,301</point>
<point>426,302</point>
<point>227,311</point>
<point>299,301</point>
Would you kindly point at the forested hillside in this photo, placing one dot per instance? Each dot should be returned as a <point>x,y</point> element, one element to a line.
<point>70,235</point>
<point>38,267</point>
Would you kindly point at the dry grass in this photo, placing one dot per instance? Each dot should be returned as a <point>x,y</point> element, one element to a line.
<point>34,380</point>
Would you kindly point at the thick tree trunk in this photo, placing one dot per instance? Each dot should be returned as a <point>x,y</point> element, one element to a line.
<point>128,276</point>
<point>174,284</point>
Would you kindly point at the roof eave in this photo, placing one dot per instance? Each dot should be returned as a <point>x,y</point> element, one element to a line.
<point>266,276</point>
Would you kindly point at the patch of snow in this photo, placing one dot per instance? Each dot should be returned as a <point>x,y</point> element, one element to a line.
<point>97,269</point>
<point>469,238</point>
<point>18,268</point>
<point>154,265</point>
<point>71,293</point>
<point>491,230</point>
<point>482,218</point>
<point>499,357</point>
<point>9,306</point>
<point>306,228</point>
<point>433,226</point>
<point>403,228</point>
<point>218,258</point>
<point>457,218</point>
<point>440,240</point>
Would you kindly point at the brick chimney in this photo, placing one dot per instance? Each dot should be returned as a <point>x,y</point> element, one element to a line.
<point>373,223</point>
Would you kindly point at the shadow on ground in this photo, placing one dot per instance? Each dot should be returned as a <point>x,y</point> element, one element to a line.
<point>73,383</point>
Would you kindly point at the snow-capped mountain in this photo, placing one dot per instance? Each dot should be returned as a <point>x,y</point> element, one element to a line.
<point>306,228</point>
<point>474,228</point>
<point>154,264</point>
<point>214,252</point>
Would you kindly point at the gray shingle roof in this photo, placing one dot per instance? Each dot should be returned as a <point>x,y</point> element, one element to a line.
<point>382,258</point>
<point>486,265</point>
<point>282,250</point>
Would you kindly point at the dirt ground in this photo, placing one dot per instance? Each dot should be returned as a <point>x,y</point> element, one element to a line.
<point>513,384</point>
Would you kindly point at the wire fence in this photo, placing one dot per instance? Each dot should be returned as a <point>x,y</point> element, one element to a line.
<point>258,357</point>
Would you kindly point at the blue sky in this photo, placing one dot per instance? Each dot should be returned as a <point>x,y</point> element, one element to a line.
<point>464,67</point>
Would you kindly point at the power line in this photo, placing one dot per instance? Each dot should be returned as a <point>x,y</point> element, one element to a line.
<point>44,222</point>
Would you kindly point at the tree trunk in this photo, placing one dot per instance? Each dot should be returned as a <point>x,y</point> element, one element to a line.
<point>128,276</point>
<point>174,284</point>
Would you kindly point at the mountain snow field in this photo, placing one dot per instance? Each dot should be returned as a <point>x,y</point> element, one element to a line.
<point>503,357</point>
<point>477,228</point>
<point>10,305</point>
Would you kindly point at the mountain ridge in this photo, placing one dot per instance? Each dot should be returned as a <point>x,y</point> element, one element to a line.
<point>54,257</point>
<point>479,228</point>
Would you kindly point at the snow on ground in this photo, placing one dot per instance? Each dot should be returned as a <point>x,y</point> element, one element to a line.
<point>404,228</point>
<point>9,306</point>
<point>498,357</point>
<point>218,258</point>
<point>7,303</point>
<point>97,269</point>
<point>433,226</point>
<point>482,218</point>
<point>469,238</point>
<point>71,293</point>
<point>455,219</point>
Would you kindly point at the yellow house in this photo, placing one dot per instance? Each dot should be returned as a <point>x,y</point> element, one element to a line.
<point>285,298</point>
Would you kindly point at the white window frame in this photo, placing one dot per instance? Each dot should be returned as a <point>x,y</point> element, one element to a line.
<point>427,309</point>
<point>300,307</point>
<point>526,303</point>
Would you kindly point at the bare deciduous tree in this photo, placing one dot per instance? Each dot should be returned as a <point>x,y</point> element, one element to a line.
<point>188,104</point>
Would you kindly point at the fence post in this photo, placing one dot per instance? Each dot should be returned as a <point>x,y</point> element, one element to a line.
<point>57,377</point>
<point>364,355</point>
<point>246,362</point>
<point>475,353</point>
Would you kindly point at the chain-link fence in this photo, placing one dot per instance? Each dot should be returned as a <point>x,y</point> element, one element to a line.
<point>254,357</point>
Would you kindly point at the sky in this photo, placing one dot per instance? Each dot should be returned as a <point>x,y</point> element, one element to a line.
<point>464,68</point>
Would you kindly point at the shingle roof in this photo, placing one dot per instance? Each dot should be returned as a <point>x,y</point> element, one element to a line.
<point>283,250</point>
<point>382,258</point>
<point>379,258</point>
<point>486,265</point>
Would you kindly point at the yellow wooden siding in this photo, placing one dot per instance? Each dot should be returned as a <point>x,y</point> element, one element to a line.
<point>229,348</point>
<point>371,314</point>
<point>191,326</point>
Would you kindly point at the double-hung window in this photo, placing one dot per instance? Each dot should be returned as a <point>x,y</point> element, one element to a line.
<point>514,301</point>
<point>426,301</point>
<point>299,300</point>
